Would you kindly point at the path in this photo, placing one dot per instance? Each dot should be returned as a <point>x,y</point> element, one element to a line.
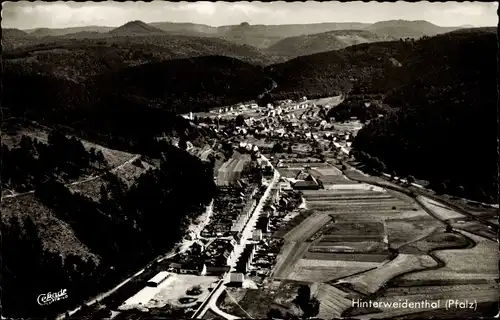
<point>91,178</point>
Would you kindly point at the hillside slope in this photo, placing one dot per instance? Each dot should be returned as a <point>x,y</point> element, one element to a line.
<point>74,58</point>
<point>145,98</point>
<point>336,72</point>
<point>408,29</point>
<point>135,27</point>
<point>447,108</point>
<point>321,42</point>
<point>54,32</point>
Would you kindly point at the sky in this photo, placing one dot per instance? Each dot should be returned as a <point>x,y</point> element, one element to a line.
<point>38,14</point>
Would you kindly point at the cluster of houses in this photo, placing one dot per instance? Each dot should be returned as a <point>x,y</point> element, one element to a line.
<point>200,260</point>
<point>232,206</point>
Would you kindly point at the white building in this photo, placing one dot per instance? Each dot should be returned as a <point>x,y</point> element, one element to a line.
<point>159,278</point>
<point>257,235</point>
<point>236,279</point>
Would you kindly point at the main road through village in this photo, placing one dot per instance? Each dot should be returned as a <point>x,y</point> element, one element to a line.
<point>211,302</point>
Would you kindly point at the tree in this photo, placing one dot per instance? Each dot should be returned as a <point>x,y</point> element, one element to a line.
<point>240,120</point>
<point>309,305</point>
<point>277,148</point>
<point>393,174</point>
<point>410,180</point>
<point>274,314</point>
<point>183,143</point>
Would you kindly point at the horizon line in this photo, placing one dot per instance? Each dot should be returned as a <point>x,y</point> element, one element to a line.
<point>230,25</point>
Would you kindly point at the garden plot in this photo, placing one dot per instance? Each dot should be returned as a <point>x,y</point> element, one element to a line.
<point>371,281</point>
<point>327,270</point>
<point>439,209</point>
<point>479,262</point>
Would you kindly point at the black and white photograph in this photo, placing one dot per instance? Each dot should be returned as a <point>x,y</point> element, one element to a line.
<point>249,160</point>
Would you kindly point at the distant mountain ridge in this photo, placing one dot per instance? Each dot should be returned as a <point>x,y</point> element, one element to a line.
<point>409,29</point>
<point>136,28</point>
<point>321,42</point>
<point>260,36</point>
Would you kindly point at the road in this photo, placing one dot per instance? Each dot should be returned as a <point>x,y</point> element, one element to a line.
<point>209,210</point>
<point>238,250</point>
<point>91,178</point>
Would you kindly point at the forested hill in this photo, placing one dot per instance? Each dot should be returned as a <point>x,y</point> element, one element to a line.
<point>79,56</point>
<point>132,102</point>
<point>445,129</point>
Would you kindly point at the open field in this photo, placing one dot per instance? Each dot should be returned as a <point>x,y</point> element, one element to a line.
<point>362,257</point>
<point>442,211</point>
<point>479,262</point>
<point>350,186</point>
<point>373,280</point>
<point>327,270</point>
<point>307,228</point>
<point>353,247</point>
<point>347,229</point>
<point>401,231</point>
<point>329,175</point>
<point>290,253</point>
<point>439,296</point>
<point>289,173</point>
<point>475,227</point>
<point>436,241</point>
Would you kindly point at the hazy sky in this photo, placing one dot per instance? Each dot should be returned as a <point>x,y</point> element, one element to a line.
<point>27,15</point>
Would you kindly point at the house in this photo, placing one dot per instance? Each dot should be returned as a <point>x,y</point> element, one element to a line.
<point>188,267</point>
<point>257,235</point>
<point>236,279</point>
<point>158,279</point>
<point>194,268</point>
<point>216,270</point>
<point>306,185</point>
<point>263,224</point>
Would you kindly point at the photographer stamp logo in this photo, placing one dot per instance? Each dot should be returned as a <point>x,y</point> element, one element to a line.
<point>48,298</point>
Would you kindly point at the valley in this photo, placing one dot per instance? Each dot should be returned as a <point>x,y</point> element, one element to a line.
<point>281,171</point>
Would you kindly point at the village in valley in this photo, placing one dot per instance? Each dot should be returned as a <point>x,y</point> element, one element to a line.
<point>295,213</point>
